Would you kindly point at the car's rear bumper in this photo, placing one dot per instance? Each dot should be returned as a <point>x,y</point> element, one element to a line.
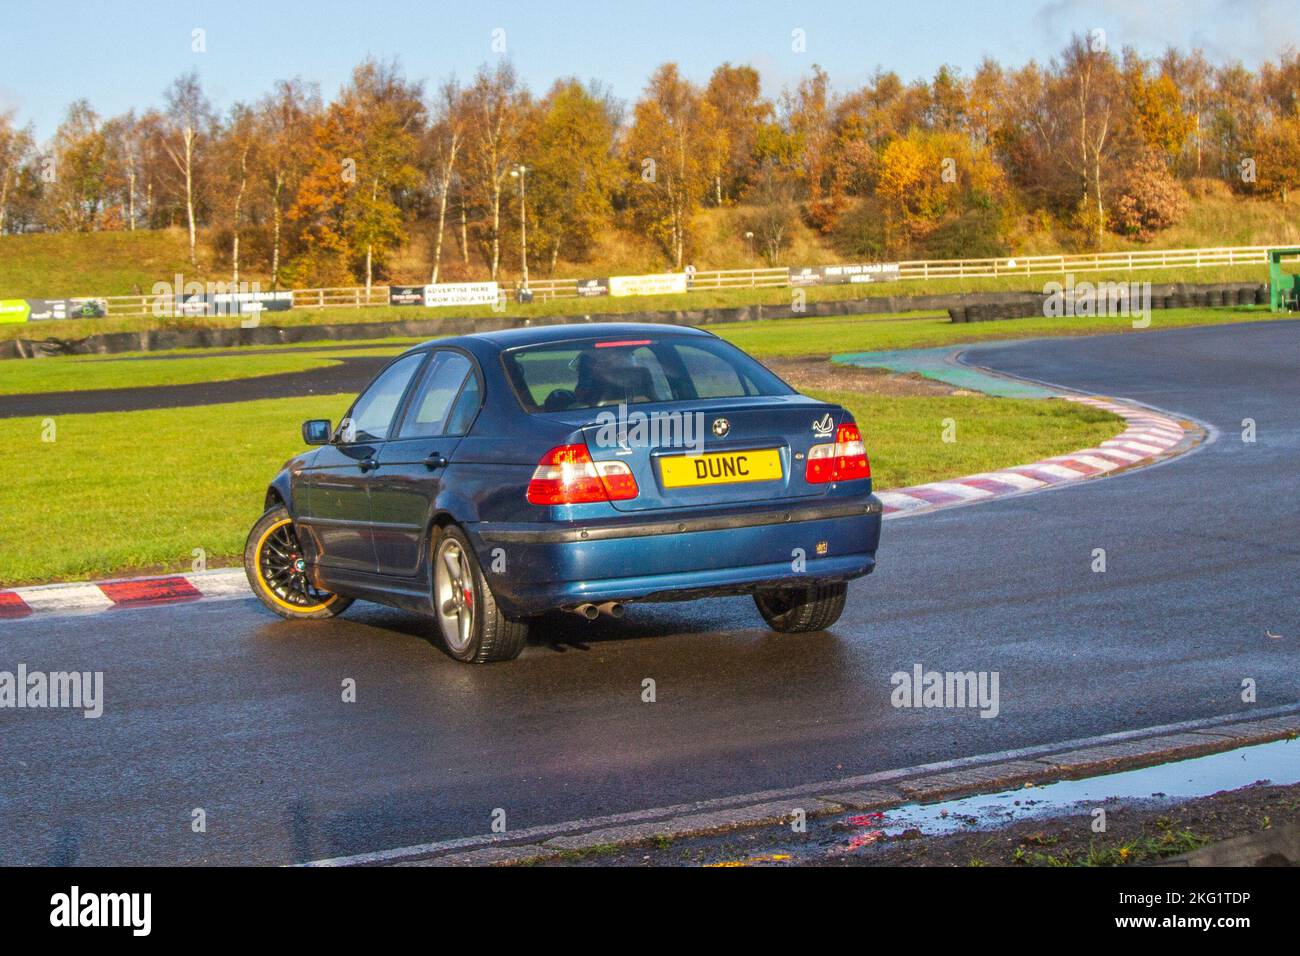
<point>534,567</point>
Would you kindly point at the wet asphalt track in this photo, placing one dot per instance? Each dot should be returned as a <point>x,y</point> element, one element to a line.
<point>220,705</point>
<point>349,375</point>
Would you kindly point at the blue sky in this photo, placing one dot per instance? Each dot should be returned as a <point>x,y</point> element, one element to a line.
<point>121,55</point>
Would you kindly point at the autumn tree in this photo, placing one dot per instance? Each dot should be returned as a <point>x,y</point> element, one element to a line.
<point>927,178</point>
<point>1148,198</point>
<point>237,156</point>
<point>362,168</point>
<point>443,145</point>
<point>286,118</point>
<point>1156,114</point>
<point>1275,149</point>
<point>674,151</point>
<point>734,93</point>
<point>1236,118</point>
<point>1193,77</point>
<point>188,125</point>
<point>806,116</point>
<point>774,212</point>
<point>572,171</point>
<point>15,151</point>
<point>496,106</point>
<point>124,143</point>
<point>77,196</point>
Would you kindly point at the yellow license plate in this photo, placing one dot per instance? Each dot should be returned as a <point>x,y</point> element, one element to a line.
<point>720,468</point>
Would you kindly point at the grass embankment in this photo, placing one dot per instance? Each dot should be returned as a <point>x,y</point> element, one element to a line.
<point>122,493</point>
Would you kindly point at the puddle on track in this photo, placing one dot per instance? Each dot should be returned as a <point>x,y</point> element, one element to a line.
<point>1276,763</point>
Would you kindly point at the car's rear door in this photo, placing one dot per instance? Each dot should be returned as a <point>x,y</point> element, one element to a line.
<point>336,510</point>
<point>413,462</point>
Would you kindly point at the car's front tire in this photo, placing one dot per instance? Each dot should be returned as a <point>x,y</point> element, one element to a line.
<point>276,570</point>
<point>474,628</point>
<point>802,610</point>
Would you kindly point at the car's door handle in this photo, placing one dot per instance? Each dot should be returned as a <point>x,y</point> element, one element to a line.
<point>435,461</point>
<point>367,464</point>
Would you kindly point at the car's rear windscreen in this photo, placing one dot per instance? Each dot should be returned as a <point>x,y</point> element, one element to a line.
<point>591,373</point>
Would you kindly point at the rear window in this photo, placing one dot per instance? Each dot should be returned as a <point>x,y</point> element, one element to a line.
<point>592,373</point>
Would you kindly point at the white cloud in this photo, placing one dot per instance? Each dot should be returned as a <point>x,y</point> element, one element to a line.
<point>1248,30</point>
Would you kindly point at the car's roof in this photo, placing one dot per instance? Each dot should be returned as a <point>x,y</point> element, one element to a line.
<point>541,334</point>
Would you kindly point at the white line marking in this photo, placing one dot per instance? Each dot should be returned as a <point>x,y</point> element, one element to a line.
<point>896,499</point>
<point>1013,478</point>
<point>1134,445</point>
<point>958,489</point>
<point>1060,471</point>
<point>50,597</point>
<point>1099,463</point>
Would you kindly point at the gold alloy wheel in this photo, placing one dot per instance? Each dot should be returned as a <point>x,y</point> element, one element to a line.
<point>282,571</point>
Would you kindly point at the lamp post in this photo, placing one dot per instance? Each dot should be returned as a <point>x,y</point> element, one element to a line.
<point>519,172</point>
<point>749,236</point>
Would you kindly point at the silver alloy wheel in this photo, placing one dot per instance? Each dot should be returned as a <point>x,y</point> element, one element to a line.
<point>453,593</point>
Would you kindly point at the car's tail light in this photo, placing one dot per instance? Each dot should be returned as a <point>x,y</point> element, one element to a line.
<point>566,475</point>
<point>844,460</point>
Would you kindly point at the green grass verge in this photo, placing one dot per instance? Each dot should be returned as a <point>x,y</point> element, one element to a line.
<point>93,372</point>
<point>121,493</point>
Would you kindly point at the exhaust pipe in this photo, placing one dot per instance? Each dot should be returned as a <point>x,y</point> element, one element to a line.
<point>612,608</point>
<point>589,611</point>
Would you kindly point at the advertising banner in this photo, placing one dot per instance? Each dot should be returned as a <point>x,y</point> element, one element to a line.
<point>840,275</point>
<point>461,293</point>
<point>664,284</point>
<point>807,275</point>
<point>236,303</point>
<point>44,309</point>
<point>406,295</point>
<point>871,272</point>
<point>14,311</point>
<point>592,287</point>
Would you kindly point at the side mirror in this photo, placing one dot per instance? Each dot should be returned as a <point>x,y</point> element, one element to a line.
<point>317,431</point>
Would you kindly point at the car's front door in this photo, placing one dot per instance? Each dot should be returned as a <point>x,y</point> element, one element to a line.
<point>413,461</point>
<point>337,482</point>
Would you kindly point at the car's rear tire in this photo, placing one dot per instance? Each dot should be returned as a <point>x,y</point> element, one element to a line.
<point>801,610</point>
<point>474,629</point>
<point>276,571</point>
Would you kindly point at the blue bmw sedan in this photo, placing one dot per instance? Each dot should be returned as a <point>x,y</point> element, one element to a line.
<point>486,479</point>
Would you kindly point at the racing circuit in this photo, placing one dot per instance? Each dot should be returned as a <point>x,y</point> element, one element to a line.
<point>221,706</point>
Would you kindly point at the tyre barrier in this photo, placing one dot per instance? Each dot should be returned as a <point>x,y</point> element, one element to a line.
<point>1181,296</point>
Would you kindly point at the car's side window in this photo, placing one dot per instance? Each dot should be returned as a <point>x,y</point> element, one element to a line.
<point>462,416</point>
<point>428,411</point>
<point>372,413</point>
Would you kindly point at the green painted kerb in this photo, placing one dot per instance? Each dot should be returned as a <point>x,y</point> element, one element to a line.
<point>941,365</point>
